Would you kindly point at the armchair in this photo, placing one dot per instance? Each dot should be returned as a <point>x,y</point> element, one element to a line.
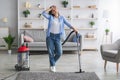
<point>111,52</point>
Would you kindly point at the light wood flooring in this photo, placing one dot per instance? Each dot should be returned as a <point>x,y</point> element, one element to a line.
<point>91,61</point>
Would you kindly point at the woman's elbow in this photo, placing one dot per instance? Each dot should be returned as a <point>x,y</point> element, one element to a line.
<point>43,13</point>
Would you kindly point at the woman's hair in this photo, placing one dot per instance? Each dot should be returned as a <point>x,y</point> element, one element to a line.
<point>50,13</point>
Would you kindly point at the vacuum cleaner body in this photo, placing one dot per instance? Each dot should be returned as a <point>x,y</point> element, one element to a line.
<point>23,59</point>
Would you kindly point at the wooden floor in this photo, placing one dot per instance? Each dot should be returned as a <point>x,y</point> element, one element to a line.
<point>91,61</point>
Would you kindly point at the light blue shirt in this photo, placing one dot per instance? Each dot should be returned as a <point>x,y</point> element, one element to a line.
<point>62,21</point>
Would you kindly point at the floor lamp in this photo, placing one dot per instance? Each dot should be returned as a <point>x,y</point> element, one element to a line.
<point>108,35</point>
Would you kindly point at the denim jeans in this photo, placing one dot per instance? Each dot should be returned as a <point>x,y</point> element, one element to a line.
<point>54,47</point>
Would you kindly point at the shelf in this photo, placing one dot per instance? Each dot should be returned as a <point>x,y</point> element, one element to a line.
<point>90,49</point>
<point>32,8</point>
<point>86,8</point>
<point>87,28</point>
<point>90,38</point>
<point>32,28</point>
<point>32,18</point>
<point>84,18</point>
<point>3,47</point>
<point>64,8</point>
<point>68,18</point>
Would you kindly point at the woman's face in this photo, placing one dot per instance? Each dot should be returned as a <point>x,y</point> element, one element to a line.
<point>54,10</point>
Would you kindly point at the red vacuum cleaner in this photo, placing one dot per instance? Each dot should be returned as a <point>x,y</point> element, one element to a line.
<point>23,58</point>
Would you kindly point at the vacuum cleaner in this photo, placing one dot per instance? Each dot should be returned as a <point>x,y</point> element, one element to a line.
<point>79,45</point>
<point>23,58</point>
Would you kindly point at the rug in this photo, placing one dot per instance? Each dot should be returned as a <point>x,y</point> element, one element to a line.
<point>56,76</point>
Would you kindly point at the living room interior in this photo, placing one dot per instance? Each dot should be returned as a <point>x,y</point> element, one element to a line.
<point>97,22</point>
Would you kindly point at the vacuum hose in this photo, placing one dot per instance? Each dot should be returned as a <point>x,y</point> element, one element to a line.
<point>77,36</point>
<point>67,37</point>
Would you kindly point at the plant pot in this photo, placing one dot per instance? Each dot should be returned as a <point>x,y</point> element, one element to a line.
<point>65,5</point>
<point>107,33</point>
<point>26,15</point>
<point>92,26</point>
<point>9,52</point>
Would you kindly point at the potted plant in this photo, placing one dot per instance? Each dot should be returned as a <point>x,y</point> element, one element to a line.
<point>26,13</point>
<point>107,31</point>
<point>39,15</point>
<point>9,41</point>
<point>65,3</point>
<point>92,23</point>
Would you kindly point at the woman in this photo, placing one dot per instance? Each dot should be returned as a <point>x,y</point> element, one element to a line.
<point>54,32</point>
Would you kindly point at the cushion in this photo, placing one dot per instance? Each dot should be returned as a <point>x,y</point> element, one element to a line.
<point>37,44</point>
<point>70,44</point>
<point>28,39</point>
<point>110,53</point>
<point>37,35</point>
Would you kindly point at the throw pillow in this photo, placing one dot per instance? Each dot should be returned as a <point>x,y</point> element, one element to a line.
<point>28,39</point>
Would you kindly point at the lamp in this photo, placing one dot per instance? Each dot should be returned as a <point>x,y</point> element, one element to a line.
<point>5,20</point>
<point>105,14</point>
<point>108,38</point>
<point>106,17</point>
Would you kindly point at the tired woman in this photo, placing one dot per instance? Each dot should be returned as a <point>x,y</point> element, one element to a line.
<point>55,32</point>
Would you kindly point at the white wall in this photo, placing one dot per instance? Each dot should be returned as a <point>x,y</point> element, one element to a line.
<point>115,18</point>
<point>112,6</point>
<point>8,8</point>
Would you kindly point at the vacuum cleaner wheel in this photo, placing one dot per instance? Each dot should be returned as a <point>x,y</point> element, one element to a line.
<point>18,68</point>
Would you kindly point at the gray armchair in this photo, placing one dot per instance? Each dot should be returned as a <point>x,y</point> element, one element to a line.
<point>111,52</point>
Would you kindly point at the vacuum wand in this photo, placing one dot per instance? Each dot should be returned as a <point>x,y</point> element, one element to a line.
<point>79,43</point>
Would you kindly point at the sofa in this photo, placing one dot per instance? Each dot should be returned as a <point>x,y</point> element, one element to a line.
<point>39,40</point>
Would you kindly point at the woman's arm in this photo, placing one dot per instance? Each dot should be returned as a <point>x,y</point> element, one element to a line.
<point>45,13</point>
<point>69,25</point>
<point>74,29</point>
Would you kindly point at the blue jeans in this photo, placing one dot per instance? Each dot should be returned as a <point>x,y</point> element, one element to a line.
<point>54,47</point>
